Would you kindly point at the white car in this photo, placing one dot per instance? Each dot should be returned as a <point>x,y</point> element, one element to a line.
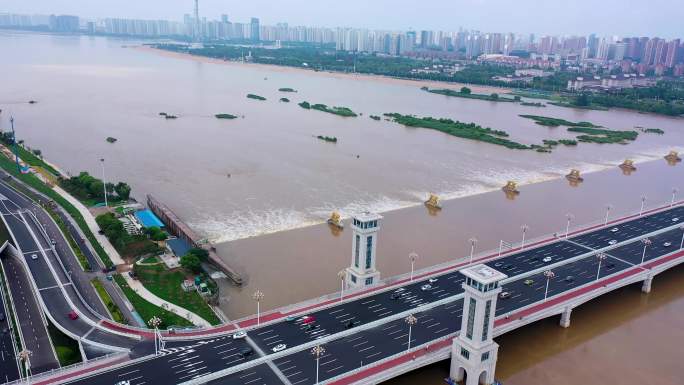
<point>614,230</point>
<point>667,244</point>
<point>504,295</point>
<point>546,259</point>
<point>432,280</point>
<point>426,287</point>
<point>675,219</point>
<point>34,256</point>
<point>279,347</point>
<point>124,382</point>
<point>239,335</point>
<point>612,242</point>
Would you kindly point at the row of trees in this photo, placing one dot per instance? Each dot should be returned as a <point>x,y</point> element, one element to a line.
<point>193,259</point>
<point>86,187</point>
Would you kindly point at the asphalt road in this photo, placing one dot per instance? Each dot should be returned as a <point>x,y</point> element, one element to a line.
<point>48,274</point>
<point>9,369</point>
<point>370,345</point>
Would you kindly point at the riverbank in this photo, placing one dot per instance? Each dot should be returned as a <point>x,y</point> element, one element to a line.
<point>339,75</point>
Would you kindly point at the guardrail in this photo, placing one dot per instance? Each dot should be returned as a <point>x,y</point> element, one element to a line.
<point>54,372</point>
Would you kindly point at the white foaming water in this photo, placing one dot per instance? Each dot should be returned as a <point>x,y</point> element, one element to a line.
<point>250,223</point>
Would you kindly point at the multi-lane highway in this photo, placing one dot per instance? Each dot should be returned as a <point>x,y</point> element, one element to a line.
<point>9,369</point>
<point>573,260</point>
<point>57,292</point>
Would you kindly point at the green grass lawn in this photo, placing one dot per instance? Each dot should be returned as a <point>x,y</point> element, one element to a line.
<point>114,310</point>
<point>65,347</point>
<point>148,310</point>
<point>166,284</point>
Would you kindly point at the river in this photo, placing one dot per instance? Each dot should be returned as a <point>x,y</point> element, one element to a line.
<point>242,183</point>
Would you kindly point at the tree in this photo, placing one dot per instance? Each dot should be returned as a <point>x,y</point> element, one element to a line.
<point>582,99</point>
<point>465,90</point>
<point>191,262</point>
<point>156,234</point>
<point>201,254</point>
<point>123,190</point>
<point>494,96</point>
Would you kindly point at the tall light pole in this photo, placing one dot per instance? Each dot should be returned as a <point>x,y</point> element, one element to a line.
<point>317,352</point>
<point>674,194</point>
<point>601,257</point>
<point>155,322</point>
<point>410,320</point>
<point>14,144</point>
<point>412,258</point>
<point>608,208</point>
<point>548,274</point>
<point>524,229</point>
<point>647,242</point>
<point>104,181</point>
<point>342,274</point>
<point>681,244</point>
<point>569,217</point>
<point>643,201</point>
<point>472,241</point>
<point>258,296</point>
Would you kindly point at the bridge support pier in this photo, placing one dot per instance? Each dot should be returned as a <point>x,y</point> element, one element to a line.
<point>565,317</point>
<point>646,287</point>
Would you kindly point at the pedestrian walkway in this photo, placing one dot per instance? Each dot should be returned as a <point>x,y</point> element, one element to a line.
<point>92,225</point>
<point>142,291</point>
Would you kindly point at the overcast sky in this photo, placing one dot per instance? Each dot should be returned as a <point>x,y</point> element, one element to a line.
<point>663,18</point>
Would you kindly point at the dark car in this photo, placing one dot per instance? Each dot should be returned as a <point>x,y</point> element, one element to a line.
<point>350,324</point>
<point>395,296</point>
<point>245,352</point>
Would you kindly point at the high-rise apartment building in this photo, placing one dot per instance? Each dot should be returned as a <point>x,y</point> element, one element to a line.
<point>672,53</point>
<point>254,29</point>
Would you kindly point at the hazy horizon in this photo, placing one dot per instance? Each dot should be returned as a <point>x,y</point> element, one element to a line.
<point>611,17</point>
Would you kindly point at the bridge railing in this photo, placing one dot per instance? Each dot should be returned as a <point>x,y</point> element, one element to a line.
<point>489,254</point>
<point>53,373</point>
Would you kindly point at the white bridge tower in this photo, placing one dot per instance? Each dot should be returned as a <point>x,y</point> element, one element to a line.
<point>473,352</point>
<point>362,271</point>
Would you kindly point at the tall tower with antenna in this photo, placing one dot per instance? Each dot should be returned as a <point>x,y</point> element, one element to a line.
<point>197,29</point>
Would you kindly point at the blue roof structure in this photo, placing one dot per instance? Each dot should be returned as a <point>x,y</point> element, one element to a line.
<point>179,246</point>
<point>148,219</point>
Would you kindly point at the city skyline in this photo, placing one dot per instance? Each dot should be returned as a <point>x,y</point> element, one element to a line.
<point>583,17</point>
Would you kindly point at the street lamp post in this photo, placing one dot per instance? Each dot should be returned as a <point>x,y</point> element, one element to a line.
<point>155,322</point>
<point>548,274</point>
<point>601,257</point>
<point>567,226</point>
<point>608,208</point>
<point>342,274</point>
<point>410,320</point>
<point>473,241</point>
<point>25,357</point>
<point>524,229</point>
<point>647,242</point>
<point>258,296</point>
<point>104,181</point>
<point>643,201</point>
<point>674,194</point>
<point>317,352</point>
<point>681,244</point>
<point>412,258</point>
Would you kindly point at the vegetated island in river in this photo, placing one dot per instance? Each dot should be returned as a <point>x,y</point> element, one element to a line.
<point>111,139</point>
<point>225,116</point>
<point>256,97</point>
<point>331,139</point>
<point>341,111</point>
<point>591,132</point>
<point>287,89</point>
<point>459,129</point>
<point>555,122</point>
<point>465,92</point>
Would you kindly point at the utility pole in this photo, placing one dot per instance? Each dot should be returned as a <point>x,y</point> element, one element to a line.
<point>14,144</point>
